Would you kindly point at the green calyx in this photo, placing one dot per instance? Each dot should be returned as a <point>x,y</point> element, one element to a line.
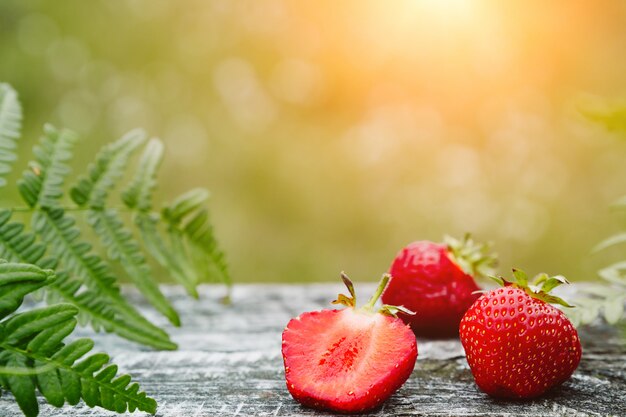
<point>370,307</point>
<point>540,287</point>
<point>474,258</point>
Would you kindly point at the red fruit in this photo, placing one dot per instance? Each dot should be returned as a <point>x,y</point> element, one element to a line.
<point>517,345</point>
<point>436,282</point>
<point>348,360</point>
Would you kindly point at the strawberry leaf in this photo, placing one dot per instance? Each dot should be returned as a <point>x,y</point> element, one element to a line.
<point>520,277</point>
<point>474,258</point>
<point>551,299</point>
<point>389,310</point>
<point>499,280</point>
<point>553,282</point>
<point>540,288</point>
<point>344,299</point>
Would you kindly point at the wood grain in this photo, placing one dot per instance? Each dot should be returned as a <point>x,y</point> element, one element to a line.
<point>229,364</point>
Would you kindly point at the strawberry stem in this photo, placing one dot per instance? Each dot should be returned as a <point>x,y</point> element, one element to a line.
<point>379,291</point>
<point>369,307</point>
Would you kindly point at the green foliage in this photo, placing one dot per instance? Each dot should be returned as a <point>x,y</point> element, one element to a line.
<point>34,357</point>
<point>474,258</point>
<point>613,118</point>
<point>138,195</point>
<point>16,245</point>
<point>42,188</point>
<point>53,257</point>
<point>188,221</point>
<point>10,126</point>
<point>42,184</point>
<point>607,299</point>
<point>92,191</point>
<point>192,255</point>
<point>538,288</point>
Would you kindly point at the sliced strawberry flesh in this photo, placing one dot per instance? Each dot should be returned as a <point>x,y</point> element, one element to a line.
<point>346,359</point>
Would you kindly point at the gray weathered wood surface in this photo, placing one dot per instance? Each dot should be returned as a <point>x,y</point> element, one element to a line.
<point>229,364</point>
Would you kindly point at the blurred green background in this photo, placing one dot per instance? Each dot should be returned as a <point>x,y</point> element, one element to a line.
<point>332,133</point>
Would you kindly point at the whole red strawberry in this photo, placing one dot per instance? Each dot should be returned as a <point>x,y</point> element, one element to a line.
<point>348,360</point>
<point>517,344</point>
<point>436,281</point>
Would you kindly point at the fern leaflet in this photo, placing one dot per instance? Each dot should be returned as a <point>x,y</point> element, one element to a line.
<point>17,280</point>
<point>10,126</point>
<point>92,189</point>
<point>16,245</point>
<point>42,186</point>
<point>33,341</point>
<point>54,257</point>
<point>61,235</point>
<point>138,195</point>
<point>92,192</point>
<point>188,220</point>
<point>154,243</point>
<point>123,247</point>
<point>193,255</point>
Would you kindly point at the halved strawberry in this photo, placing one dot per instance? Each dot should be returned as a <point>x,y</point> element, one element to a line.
<point>348,360</point>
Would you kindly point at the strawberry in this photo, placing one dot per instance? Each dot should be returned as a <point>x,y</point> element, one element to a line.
<point>348,360</point>
<point>517,344</point>
<point>437,282</point>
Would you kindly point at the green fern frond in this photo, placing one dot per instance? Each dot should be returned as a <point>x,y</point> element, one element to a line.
<point>17,280</point>
<point>189,226</point>
<point>53,260</point>
<point>10,127</point>
<point>173,215</point>
<point>61,235</point>
<point>121,246</point>
<point>192,255</point>
<point>33,357</point>
<point>34,340</point>
<point>16,245</point>
<point>154,243</point>
<point>42,184</point>
<point>185,204</point>
<point>97,311</point>
<point>138,195</point>
<point>92,189</point>
<point>205,249</point>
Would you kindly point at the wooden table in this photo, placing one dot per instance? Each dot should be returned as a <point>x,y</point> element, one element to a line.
<point>229,364</point>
